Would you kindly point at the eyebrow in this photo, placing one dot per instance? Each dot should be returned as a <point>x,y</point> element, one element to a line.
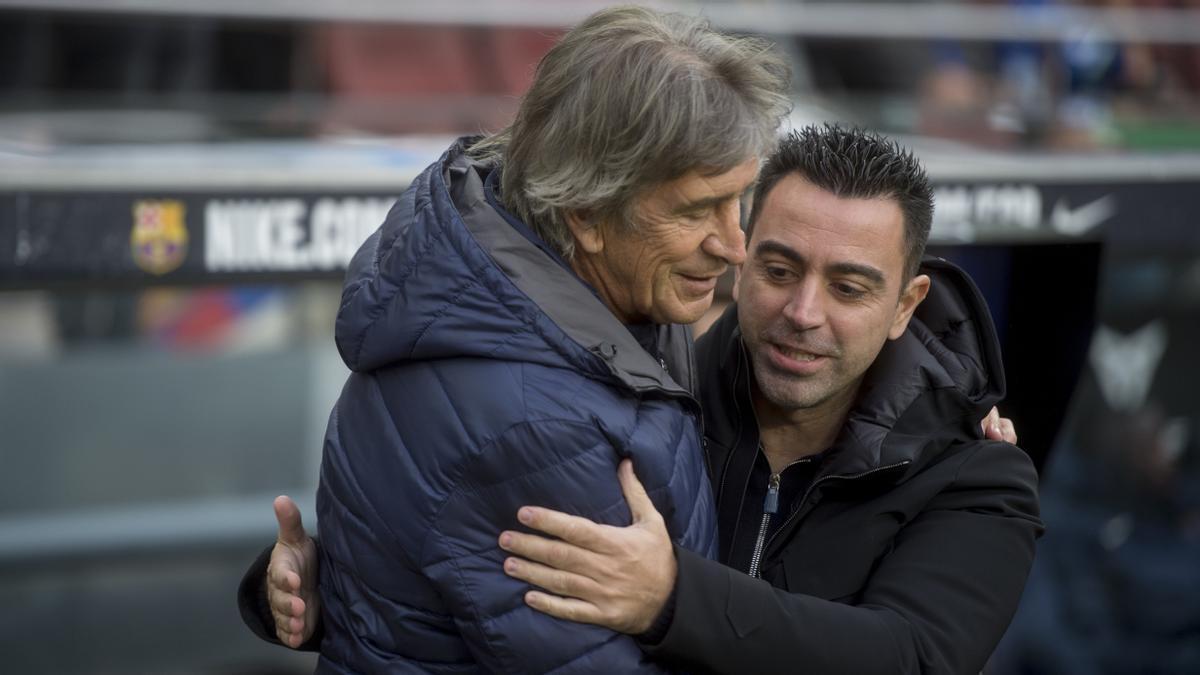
<point>868,272</point>
<point>704,203</point>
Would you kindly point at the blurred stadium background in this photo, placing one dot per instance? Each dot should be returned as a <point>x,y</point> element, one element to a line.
<point>181,184</point>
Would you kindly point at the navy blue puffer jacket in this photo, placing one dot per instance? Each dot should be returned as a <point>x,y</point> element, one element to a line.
<point>486,376</point>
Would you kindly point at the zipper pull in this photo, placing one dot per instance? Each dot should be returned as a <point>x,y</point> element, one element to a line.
<point>770,506</point>
<point>771,503</point>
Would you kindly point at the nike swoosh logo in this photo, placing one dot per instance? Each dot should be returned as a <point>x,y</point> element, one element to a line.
<point>1074,222</point>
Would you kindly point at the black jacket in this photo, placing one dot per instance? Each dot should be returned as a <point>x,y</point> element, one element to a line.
<point>909,550</point>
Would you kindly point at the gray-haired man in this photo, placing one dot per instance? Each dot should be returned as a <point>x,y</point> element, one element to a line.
<point>516,328</point>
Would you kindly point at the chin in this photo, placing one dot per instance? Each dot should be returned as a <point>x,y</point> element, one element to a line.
<point>786,393</point>
<point>687,315</point>
<point>791,401</point>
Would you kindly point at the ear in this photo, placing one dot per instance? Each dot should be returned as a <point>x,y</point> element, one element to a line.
<point>912,295</point>
<point>587,233</point>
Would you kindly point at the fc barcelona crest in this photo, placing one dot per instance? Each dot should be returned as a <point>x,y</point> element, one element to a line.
<point>159,238</point>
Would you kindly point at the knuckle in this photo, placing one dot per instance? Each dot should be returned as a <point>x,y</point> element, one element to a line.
<point>603,595</point>
<point>611,617</point>
<point>571,585</point>
<point>559,555</point>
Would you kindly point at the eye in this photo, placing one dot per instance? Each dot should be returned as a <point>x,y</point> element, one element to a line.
<point>848,290</point>
<point>778,273</point>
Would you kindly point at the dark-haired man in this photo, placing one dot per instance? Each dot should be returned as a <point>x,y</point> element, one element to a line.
<point>865,525</point>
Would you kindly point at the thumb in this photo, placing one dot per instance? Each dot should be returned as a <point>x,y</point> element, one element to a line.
<point>635,495</point>
<point>291,530</point>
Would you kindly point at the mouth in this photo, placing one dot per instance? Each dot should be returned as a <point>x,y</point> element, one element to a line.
<point>796,360</point>
<point>798,354</point>
<point>700,285</point>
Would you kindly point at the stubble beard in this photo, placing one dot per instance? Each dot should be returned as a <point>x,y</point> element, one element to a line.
<point>790,393</point>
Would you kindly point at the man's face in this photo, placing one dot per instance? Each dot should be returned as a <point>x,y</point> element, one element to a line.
<point>820,293</point>
<point>686,235</point>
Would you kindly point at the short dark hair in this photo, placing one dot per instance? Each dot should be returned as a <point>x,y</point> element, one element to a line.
<point>854,163</point>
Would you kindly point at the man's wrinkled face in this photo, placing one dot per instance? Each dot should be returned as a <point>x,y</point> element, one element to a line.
<point>665,268</point>
<point>821,291</point>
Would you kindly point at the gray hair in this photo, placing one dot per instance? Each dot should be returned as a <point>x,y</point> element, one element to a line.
<point>628,99</point>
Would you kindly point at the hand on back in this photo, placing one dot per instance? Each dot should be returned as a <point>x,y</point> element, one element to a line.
<point>292,577</point>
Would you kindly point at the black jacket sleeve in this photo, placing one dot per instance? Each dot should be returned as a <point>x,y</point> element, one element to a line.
<point>256,610</point>
<point>938,602</point>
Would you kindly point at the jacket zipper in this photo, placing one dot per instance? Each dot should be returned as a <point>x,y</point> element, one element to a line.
<point>824,479</point>
<point>770,507</point>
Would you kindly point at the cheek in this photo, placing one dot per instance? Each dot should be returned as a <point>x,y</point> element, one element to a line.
<point>634,261</point>
<point>645,254</point>
<point>757,307</point>
<point>862,336</point>
<point>680,244</point>
<point>658,262</point>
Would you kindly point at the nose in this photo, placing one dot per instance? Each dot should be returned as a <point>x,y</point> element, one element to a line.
<point>805,309</point>
<point>727,241</point>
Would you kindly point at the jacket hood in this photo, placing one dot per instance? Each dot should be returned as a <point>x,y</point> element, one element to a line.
<point>447,276</point>
<point>934,383</point>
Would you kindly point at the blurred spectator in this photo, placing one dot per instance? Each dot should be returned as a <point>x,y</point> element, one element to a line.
<point>445,79</point>
<point>1086,91</point>
<point>1115,587</point>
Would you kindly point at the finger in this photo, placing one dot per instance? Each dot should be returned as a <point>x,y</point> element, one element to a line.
<point>291,635</point>
<point>291,529</point>
<point>993,432</point>
<point>639,502</point>
<point>281,572</point>
<point>1008,432</point>
<point>287,625</point>
<point>557,554</point>
<point>555,581</point>
<point>291,581</point>
<point>285,604</point>
<point>574,529</point>
<point>570,609</point>
<point>988,423</point>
